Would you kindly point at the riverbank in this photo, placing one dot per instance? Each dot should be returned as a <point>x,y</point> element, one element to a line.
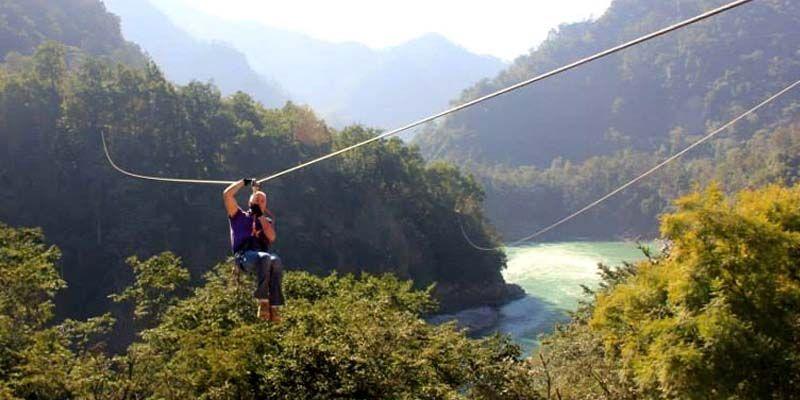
<point>551,275</point>
<point>454,297</point>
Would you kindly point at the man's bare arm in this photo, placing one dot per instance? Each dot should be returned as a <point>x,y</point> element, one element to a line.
<point>229,196</point>
<point>268,227</point>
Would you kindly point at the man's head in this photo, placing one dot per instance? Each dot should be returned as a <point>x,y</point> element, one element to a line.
<point>260,199</point>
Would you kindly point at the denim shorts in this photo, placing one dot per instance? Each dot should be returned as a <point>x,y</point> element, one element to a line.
<point>268,271</point>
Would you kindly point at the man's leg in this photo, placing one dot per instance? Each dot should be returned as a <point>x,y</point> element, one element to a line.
<point>258,264</point>
<point>275,287</point>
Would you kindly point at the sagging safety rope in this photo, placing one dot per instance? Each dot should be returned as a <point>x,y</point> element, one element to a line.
<point>511,88</point>
<point>155,178</point>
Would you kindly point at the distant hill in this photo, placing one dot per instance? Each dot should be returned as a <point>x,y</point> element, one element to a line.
<point>547,150</point>
<point>185,58</point>
<point>689,80</point>
<point>413,80</point>
<point>349,82</point>
<point>85,24</point>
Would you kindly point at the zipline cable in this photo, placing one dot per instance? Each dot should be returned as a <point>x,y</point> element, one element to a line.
<point>511,88</point>
<point>637,179</point>
<point>156,178</point>
<point>546,75</point>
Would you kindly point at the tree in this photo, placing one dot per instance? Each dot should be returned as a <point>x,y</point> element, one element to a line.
<point>157,281</point>
<point>342,337</point>
<point>717,317</point>
<point>37,359</point>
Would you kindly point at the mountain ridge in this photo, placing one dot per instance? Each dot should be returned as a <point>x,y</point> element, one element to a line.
<point>185,58</point>
<point>548,149</point>
<point>349,82</point>
<point>689,79</point>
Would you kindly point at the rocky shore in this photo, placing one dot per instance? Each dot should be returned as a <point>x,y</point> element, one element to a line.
<point>457,297</point>
<point>473,319</point>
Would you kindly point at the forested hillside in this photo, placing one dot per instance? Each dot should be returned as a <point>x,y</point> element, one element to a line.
<point>561,143</point>
<point>541,195</point>
<point>86,25</point>
<point>349,82</point>
<point>380,209</point>
<point>715,316</point>
<point>184,58</point>
<point>115,288</point>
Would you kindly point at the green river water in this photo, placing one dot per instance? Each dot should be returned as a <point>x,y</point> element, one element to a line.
<point>551,274</point>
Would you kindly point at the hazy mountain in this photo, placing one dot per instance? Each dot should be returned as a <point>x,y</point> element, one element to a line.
<point>185,58</point>
<point>413,80</point>
<point>547,150</point>
<point>349,82</point>
<point>688,80</point>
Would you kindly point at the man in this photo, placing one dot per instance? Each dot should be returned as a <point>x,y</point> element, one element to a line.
<point>252,233</point>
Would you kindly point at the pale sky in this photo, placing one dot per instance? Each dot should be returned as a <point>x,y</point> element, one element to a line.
<point>503,28</point>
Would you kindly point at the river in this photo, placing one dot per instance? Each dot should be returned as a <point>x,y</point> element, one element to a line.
<point>551,275</point>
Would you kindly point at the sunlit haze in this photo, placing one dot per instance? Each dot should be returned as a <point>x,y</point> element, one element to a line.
<point>503,28</point>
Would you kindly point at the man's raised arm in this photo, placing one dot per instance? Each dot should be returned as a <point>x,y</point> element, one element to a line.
<point>229,196</point>
<point>267,224</point>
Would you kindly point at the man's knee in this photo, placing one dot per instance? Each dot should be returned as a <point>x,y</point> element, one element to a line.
<point>247,261</point>
<point>276,265</point>
<point>263,266</point>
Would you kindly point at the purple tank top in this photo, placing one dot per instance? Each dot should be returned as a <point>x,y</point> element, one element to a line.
<point>241,228</point>
<point>242,231</point>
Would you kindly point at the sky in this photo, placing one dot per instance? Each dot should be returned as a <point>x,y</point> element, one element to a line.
<point>502,28</point>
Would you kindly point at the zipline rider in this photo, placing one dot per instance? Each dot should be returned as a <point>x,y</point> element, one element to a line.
<point>252,233</point>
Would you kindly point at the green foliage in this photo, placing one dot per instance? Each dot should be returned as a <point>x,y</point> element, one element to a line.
<point>37,359</point>
<point>727,297</point>
<point>716,316</point>
<point>341,337</point>
<point>384,289</point>
<point>28,280</point>
<point>769,156</point>
<point>28,283</point>
<point>376,210</point>
<point>156,280</point>
<point>85,25</point>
